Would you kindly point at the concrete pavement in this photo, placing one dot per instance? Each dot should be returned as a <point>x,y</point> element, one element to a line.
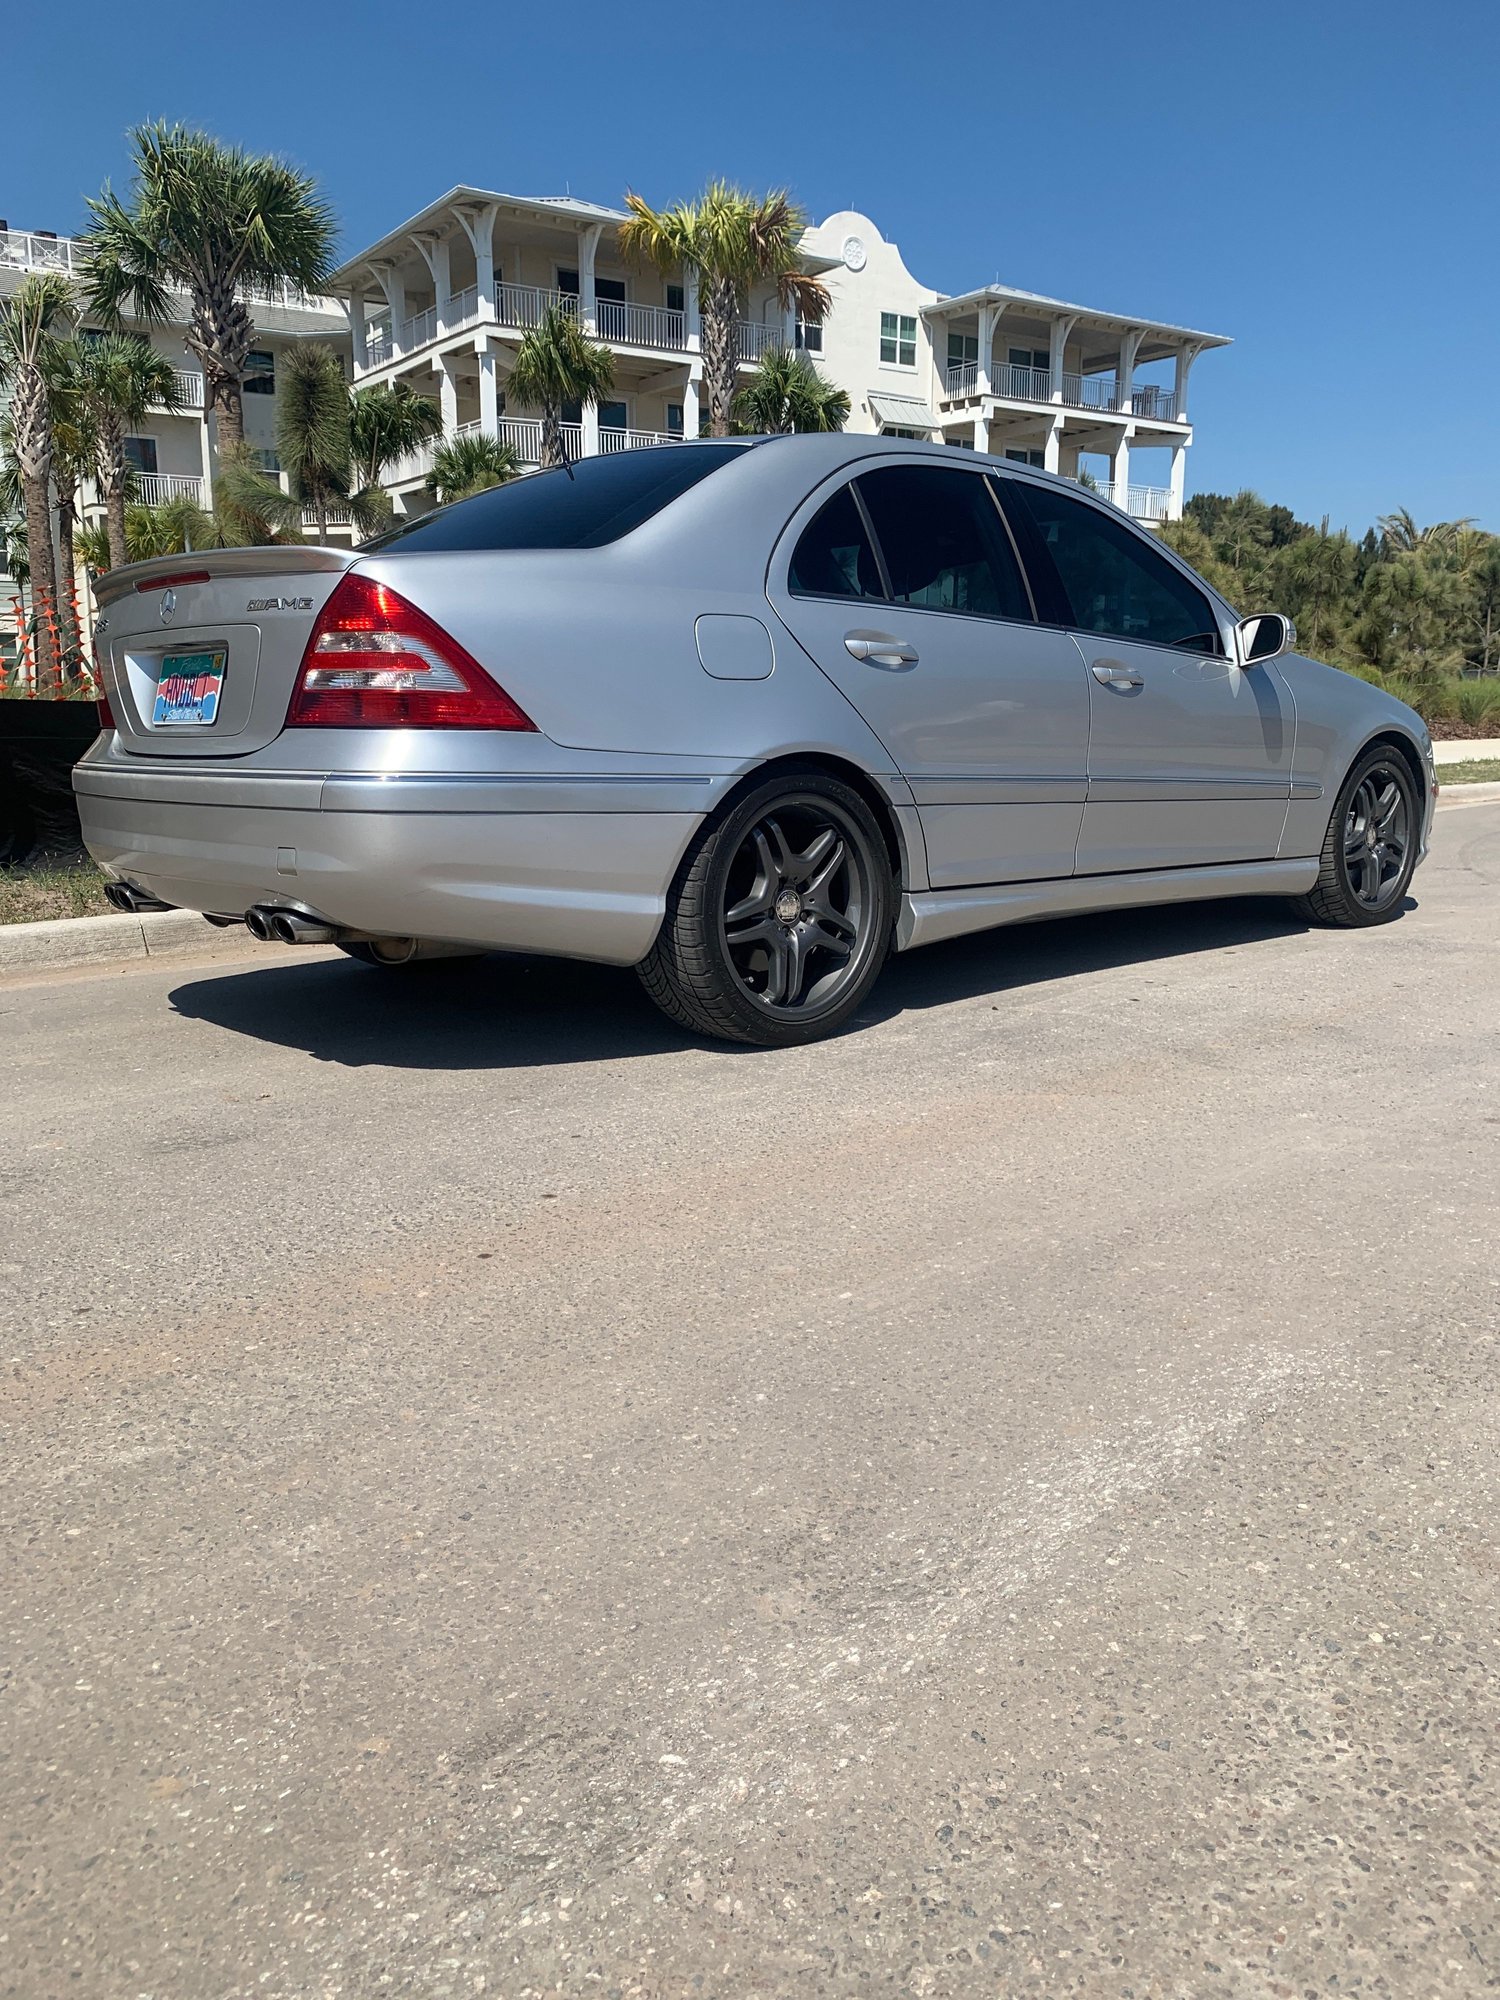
<point>504,1499</point>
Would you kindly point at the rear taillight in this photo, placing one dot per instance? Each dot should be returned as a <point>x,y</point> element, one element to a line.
<point>376,662</point>
<point>106,713</point>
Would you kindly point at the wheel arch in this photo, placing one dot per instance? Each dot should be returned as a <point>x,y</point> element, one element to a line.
<point>904,865</point>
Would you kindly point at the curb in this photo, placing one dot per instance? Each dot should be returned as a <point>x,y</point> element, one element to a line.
<point>62,942</point>
<point>1465,750</point>
<point>1464,795</point>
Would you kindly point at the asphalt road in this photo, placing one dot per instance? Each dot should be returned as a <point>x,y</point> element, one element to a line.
<point>502,1500</point>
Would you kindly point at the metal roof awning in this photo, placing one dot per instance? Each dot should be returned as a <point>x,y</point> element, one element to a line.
<point>901,413</point>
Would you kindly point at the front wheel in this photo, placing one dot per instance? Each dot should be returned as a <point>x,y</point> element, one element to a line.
<point>1371,846</point>
<point>780,918</point>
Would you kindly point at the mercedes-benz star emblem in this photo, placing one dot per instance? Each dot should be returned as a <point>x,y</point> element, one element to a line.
<point>168,606</point>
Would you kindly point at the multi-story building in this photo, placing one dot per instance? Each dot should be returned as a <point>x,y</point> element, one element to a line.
<point>173,450</point>
<point>443,301</point>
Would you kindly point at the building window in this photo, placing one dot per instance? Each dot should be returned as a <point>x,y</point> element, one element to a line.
<point>265,458</point>
<point>614,417</point>
<point>1037,458</point>
<point>140,452</point>
<point>1030,357</point>
<point>567,281</point>
<point>260,373</point>
<point>898,340</point>
<point>676,299</point>
<point>674,420</point>
<point>962,347</point>
<point>960,444</point>
<point>809,335</point>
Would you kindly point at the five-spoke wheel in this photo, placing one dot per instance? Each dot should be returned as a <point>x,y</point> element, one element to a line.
<point>780,918</point>
<point>1371,846</point>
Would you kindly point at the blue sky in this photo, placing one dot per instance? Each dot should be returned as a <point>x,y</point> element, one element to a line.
<point>1317,179</point>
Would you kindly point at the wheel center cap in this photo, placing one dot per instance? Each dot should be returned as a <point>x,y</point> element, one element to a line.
<point>1372,839</point>
<point>788,907</point>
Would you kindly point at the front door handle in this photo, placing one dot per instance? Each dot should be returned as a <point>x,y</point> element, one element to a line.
<point>880,649</point>
<point>1115,673</point>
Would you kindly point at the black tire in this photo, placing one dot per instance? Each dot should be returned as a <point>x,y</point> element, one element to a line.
<point>769,941</point>
<point>1371,845</point>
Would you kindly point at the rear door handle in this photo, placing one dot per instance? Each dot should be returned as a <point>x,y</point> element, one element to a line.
<point>1115,673</point>
<point>880,649</point>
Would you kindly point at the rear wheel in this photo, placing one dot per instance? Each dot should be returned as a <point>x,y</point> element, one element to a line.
<point>1371,846</point>
<point>780,918</point>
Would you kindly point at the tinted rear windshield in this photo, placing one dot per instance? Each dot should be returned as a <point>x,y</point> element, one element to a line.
<point>589,504</point>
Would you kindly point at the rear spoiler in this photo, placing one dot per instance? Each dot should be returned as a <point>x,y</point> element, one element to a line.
<point>268,559</point>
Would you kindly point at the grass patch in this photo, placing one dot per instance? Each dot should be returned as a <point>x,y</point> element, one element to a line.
<point>1473,771</point>
<point>51,889</point>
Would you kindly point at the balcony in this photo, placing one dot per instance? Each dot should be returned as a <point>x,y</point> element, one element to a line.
<point>640,326</point>
<point>187,385</point>
<point>526,306</point>
<point>1078,392</point>
<point>30,250</point>
<point>151,488</point>
<point>1143,503</point>
<point>757,339</point>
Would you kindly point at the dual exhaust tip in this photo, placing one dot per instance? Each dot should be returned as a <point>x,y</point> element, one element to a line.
<point>276,926</point>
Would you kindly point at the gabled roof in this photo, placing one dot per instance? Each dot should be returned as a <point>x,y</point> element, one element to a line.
<point>538,207</point>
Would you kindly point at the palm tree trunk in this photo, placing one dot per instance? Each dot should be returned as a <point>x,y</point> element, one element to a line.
<point>229,407</point>
<point>67,582</point>
<point>719,309</point>
<point>554,452</point>
<point>43,578</point>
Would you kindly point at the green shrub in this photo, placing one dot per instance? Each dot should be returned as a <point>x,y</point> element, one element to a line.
<point>1478,702</point>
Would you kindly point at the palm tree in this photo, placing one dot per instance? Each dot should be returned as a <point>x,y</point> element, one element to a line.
<point>314,448</point>
<point>786,393</point>
<point>471,463</point>
<point>121,378</point>
<point>214,222</point>
<point>172,528</point>
<point>27,332</point>
<point>732,241</point>
<point>557,364</point>
<point>389,424</point>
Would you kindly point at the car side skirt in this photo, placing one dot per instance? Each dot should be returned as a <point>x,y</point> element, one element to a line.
<point>931,916</point>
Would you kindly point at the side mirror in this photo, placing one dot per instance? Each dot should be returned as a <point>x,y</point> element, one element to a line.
<point>1264,636</point>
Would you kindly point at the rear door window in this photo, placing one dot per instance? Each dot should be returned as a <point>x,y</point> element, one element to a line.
<point>944,544</point>
<point>1116,585</point>
<point>583,507</point>
<point>833,557</point>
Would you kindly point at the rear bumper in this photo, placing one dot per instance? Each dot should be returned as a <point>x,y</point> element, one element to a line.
<point>580,871</point>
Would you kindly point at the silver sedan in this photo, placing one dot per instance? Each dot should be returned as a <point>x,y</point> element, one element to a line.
<point>747,715</point>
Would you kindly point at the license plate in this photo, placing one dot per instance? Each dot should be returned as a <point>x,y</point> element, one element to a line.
<point>188,687</point>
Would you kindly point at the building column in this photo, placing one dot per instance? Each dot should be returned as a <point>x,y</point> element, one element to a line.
<point>989,319</point>
<point>588,300</point>
<point>442,367</point>
<point>692,392</point>
<point>981,433</point>
<point>357,332</point>
<point>1186,356</point>
<point>478,224</point>
<point>435,256</point>
<point>1057,348</point>
<point>1179,482</point>
<point>1125,369</point>
<point>395,302</point>
<point>1119,469</point>
<point>590,429</point>
<point>1052,447</point>
<point>489,394</point>
<point>693,323</point>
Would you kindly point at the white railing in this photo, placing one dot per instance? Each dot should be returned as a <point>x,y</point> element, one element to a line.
<point>639,326</point>
<point>1142,503</point>
<point>611,439</point>
<point>419,329</point>
<point>1023,385</point>
<point>151,488</point>
<point>188,387</point>
<point>757,339</point>
<point>30,250</point>
<point>334,517</point>
<point>463,306</point>
<point>1149,401</point>
<point>1090,392</point>
<point>528,305</point>
<point>378,351</point>
<point>962,379</point>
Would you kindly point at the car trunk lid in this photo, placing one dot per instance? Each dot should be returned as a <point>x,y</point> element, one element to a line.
<point>200,652</point>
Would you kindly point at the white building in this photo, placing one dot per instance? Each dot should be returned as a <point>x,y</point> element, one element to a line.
<point>1071,388</point>
<point>443,301</point>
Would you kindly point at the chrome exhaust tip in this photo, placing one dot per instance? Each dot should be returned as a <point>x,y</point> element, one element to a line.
<point>291,927</point>
<point>134,902</point>
<point>258,923</point>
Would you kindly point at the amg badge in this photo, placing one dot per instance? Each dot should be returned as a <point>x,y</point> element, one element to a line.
<point>279,604</point>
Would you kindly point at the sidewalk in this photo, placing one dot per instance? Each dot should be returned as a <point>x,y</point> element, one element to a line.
<point>1476,751</point>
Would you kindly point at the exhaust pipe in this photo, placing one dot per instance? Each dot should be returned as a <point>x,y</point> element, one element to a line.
<point>291,927</point>
<point>258,923</point>
<point>135,902</point>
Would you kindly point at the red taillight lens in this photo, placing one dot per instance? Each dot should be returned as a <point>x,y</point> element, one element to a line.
<point>376,662</point>
<point>106,713</point>
<point>175,582</point>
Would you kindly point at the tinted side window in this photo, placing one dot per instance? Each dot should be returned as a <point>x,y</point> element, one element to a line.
<point>1115,583</point>
<point>834,557</point>
<point>582,507</point>
<point>944,546</point>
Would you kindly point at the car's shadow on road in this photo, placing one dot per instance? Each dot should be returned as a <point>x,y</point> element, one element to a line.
<point>505,1012</point>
